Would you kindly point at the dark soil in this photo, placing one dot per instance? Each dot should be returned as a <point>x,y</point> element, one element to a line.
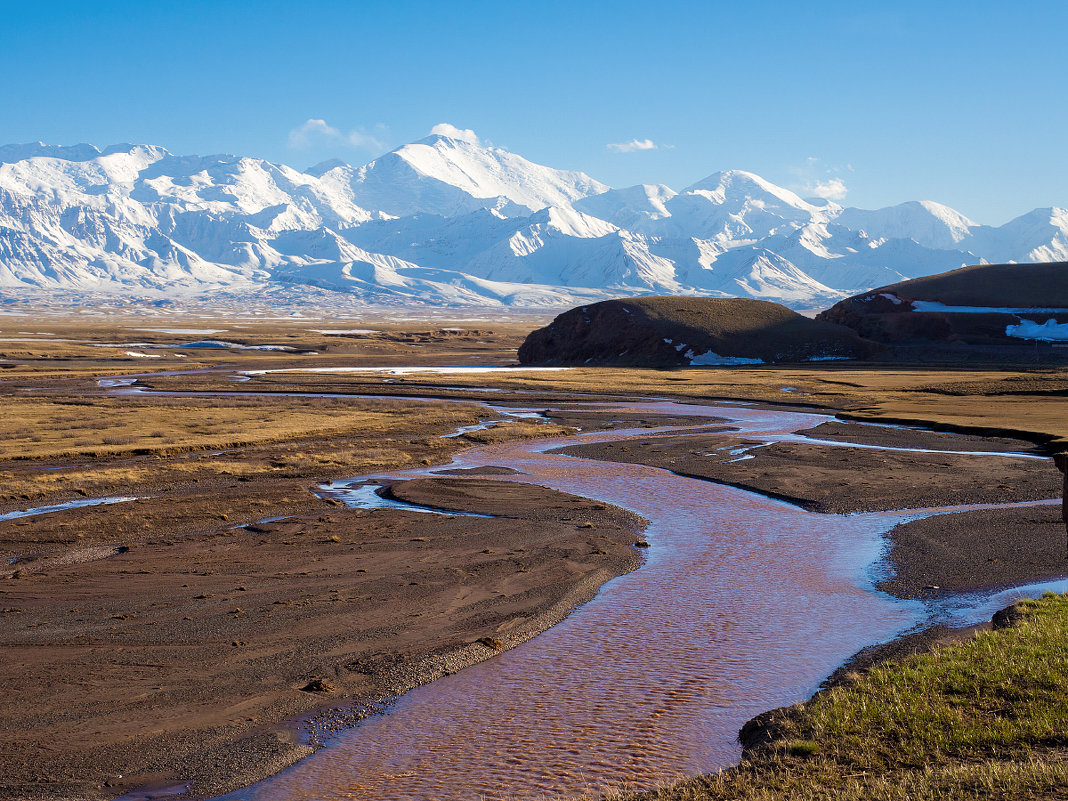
<point>971,551</point>
<point>840,479</point>
<point>901,437</point>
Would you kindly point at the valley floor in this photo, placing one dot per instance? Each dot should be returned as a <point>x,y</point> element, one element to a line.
<point>200,632</point>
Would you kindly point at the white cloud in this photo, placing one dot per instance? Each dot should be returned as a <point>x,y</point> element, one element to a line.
<point>815,179</point>
<point>831,189</point>
<point>452,132</point>
<point>316,132</point>
<point>632,145</point>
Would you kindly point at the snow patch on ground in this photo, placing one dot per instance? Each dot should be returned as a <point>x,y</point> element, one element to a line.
<point>711,359</point>
<point>1049,331</point>
<point>935,306</point>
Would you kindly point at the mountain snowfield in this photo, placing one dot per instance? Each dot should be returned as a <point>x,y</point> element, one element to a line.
<point>450,221</point>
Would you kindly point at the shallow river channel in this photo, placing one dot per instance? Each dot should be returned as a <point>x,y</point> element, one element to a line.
<point>744,604</point>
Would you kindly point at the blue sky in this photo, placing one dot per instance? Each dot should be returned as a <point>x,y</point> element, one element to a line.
<point>960,102</point>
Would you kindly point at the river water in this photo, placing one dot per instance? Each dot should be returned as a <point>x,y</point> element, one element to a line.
<point>745,603</point>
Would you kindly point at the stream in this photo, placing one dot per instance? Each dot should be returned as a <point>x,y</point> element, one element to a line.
<point>744,603</point>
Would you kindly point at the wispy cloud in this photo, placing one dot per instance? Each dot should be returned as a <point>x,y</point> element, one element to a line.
<point>632,146</point>
<point>815,179</point>
<point>316,132</point>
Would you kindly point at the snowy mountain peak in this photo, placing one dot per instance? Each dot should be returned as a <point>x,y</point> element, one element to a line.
<point>943,212</point>
<point>731,186</point>
<point>929,223</point>
<point>451,173</point>
<point>565,220</point>
<point>323,167</point>
<point>634,207</point>
<point>32,150</point>
<point>13,153</point>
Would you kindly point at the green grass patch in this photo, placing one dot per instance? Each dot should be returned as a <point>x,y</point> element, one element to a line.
<point>984,719</point>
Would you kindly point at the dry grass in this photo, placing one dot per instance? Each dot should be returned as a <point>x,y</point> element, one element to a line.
<point>114,427</point>
<point>179,441</point>
<point>66,345</point>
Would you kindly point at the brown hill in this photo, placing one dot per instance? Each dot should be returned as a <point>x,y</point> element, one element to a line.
<point>1015,285</point>
<point>998,291</point>
<point>679,331</point>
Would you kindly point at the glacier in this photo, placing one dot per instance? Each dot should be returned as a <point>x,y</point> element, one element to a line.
<point>450,221</point>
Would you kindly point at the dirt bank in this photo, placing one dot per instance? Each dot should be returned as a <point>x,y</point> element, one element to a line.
<point>971,551</point>
<point>827,478</point>
<point>176,659</point>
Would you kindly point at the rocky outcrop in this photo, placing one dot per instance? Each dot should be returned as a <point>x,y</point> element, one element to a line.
<point>674,331</point>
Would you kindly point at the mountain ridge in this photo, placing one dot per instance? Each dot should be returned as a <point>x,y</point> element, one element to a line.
<point>448,220</point>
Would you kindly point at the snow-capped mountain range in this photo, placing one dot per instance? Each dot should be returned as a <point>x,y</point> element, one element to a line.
<point>447,220</point>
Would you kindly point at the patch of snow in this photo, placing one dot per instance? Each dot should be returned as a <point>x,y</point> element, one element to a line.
<point>935,306</point>
<point>144,355</point>
<point>711,359</point>
<point>1049,331</point>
